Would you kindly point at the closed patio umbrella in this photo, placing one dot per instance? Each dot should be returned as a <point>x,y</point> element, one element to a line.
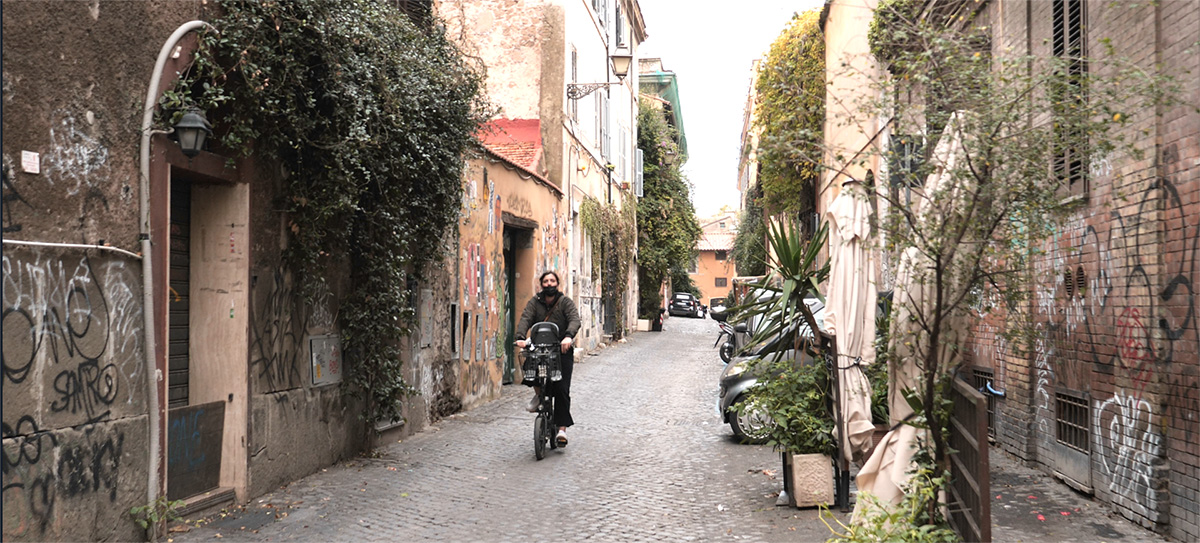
<point>850,316</point>
<point>885,474</point>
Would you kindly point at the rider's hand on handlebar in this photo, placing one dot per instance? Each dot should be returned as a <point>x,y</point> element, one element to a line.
<point>566,344</point>
<point>520,344</point>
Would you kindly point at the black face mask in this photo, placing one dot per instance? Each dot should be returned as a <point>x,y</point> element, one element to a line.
<point>549,291</point>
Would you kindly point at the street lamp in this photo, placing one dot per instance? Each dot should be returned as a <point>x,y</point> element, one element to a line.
<point>191,130</point>
<point>620,68</point>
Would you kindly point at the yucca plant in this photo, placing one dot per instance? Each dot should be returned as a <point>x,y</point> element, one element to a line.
<point>775,305</point>
<point>794,395</point>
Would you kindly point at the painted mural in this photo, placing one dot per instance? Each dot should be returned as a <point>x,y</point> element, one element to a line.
<point>490,190</point>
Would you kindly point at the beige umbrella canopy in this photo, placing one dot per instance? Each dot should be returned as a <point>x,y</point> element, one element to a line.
<point>885,473</point>
<point>850,315</point>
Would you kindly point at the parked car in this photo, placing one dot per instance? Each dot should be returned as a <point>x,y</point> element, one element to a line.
<point>684,304</point>
<point>751,425</point>
<point>717,308</point>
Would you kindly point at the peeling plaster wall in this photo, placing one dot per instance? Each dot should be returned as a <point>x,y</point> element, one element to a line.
<point>483,280</point>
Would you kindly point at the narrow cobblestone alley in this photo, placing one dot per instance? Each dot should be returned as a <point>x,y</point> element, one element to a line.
<point>649,460</point>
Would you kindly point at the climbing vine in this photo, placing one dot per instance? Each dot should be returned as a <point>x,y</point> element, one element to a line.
<point>368,118</point>
<point>613,238</point>
<point>791,115</point>
<point>666,220</point>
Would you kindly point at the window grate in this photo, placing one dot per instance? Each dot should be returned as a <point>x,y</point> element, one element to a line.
<point>1071,421</point>
<point>984,378</point>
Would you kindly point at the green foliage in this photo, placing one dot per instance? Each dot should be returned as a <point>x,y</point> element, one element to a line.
<point>797,399</point>
<point>776,304</point>
<point>749,245</point>
<point>889,33</point>
<point>613,237</point>
<point>918,517</point>
<point>162,510</point>
<point>795,395</point>
<point>370,118</point>
<point>877,373</point>
<point>993,184</point>
<point>667,227</point>
<point>791,115</point>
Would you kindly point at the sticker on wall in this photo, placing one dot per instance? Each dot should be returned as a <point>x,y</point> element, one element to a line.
<point>326,359</point>
<point>478,338</point>
<point>426,317</point>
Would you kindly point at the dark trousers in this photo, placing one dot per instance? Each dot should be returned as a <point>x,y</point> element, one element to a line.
<point>561,391</point>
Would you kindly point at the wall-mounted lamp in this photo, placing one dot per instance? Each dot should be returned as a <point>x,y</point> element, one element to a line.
<point>191,130</point>
<point>620,67</point>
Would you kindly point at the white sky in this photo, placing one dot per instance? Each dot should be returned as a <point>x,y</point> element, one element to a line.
<point>710,45</point>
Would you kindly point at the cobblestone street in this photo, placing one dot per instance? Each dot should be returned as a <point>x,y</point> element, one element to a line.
<point>648,460</point>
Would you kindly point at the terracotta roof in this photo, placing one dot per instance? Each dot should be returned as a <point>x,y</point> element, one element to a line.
<point>517,142</point>
<point>716,241</point>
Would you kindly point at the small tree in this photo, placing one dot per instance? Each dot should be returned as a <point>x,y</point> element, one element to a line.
<point>1004,137</point>
<point>999,141</point>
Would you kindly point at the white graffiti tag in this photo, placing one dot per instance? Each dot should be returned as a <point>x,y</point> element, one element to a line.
<point>1130,449</point>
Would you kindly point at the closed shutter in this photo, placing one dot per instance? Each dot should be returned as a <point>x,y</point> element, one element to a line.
<point>638,175</point>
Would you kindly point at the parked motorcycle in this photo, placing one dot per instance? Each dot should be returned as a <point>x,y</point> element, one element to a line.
<point>731,338</point>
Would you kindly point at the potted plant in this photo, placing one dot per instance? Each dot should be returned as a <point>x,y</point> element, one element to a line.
<point>797,400</point>
<point>796,392</point>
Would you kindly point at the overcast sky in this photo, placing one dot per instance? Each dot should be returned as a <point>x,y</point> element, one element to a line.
<point>710,45</point>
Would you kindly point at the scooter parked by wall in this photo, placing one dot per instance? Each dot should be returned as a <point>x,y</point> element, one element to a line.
<point>731,338</point>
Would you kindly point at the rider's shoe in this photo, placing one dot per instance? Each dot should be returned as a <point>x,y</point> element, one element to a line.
<point>534,404</point>
<point>561,440</point>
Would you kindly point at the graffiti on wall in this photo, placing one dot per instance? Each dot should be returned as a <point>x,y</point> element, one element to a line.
<point>1111,305</point>
<point>40,469</point>
<point>77,326</point>
<point>275,334</point>
<point>1130,449</point>
<point>10,197</point>
<point>77,159</point>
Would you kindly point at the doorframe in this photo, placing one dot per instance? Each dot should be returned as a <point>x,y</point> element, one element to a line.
<point>167,160</point>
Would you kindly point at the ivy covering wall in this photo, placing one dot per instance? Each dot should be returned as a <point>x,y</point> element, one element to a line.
<point>368,118</point>
<point>791,115</point>
<point>666,220</point>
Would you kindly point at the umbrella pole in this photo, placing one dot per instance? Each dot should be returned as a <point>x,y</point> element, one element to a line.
<point>841,472</point>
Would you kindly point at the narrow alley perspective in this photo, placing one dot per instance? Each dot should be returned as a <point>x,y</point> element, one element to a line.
<point>839,271</point>
<point>649,460</point>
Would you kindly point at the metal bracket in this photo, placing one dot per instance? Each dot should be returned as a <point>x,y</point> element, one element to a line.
<point>575,92</point>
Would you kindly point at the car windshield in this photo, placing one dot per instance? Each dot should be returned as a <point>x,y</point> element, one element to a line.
<point>683,296</point>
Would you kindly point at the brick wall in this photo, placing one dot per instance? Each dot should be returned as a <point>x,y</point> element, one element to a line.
<point>1114,300</point>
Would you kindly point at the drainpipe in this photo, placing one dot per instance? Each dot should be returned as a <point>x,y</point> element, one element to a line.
<point>153,376</point>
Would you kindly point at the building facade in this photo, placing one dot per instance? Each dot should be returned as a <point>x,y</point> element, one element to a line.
<point>1105,397</point>
<point>536,51</point>
<point>714,270</point>
<point>187,366</point>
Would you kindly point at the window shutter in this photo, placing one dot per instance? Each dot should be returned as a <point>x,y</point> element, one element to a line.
<point>605,133</point>
<point>638,178</point>
<point>621,156</point>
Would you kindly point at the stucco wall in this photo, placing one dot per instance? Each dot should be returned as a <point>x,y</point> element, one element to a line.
<point>482,284</point>
<point>707,270</point>
<point>74,385</point>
